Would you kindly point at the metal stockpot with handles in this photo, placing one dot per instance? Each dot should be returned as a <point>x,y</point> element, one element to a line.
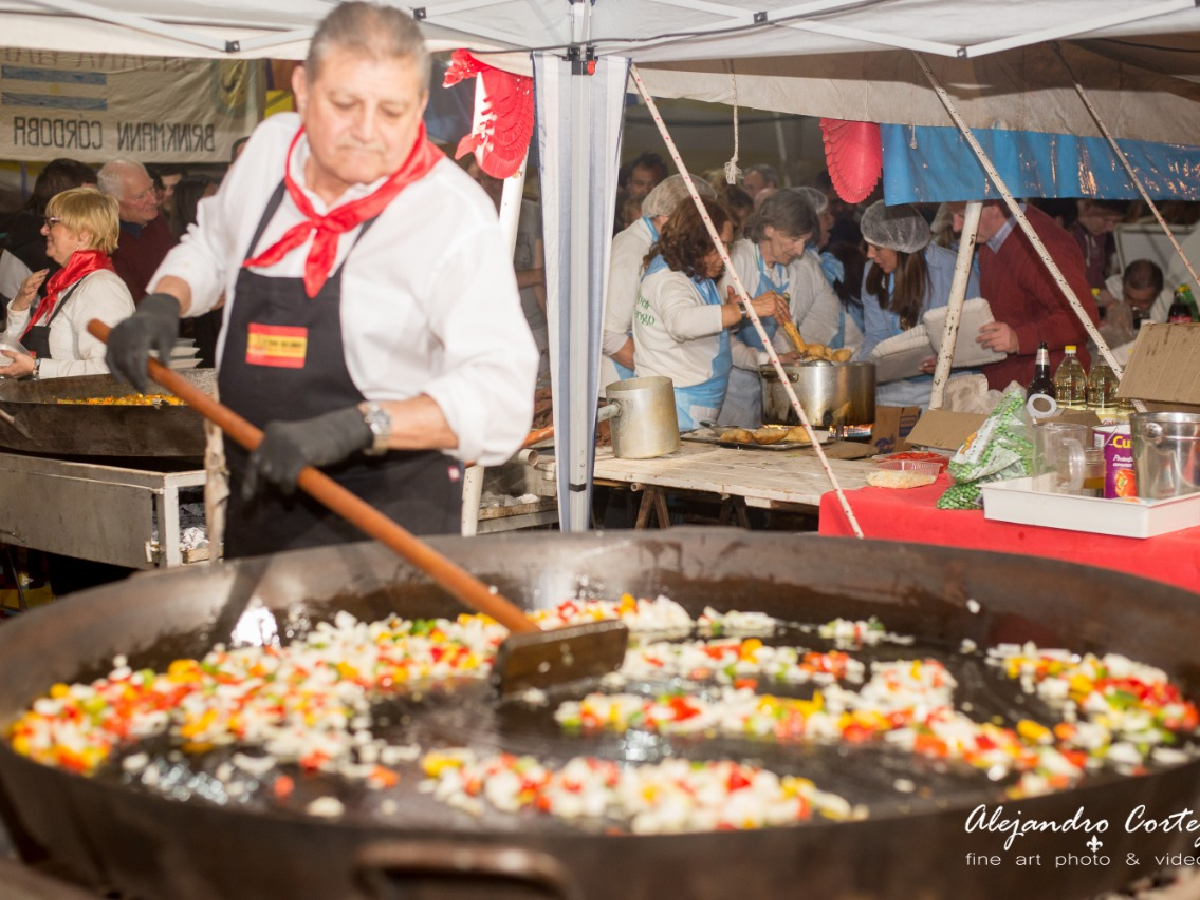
<point>1166,453</point>
<point>643,417</point>
<point>832,394</point>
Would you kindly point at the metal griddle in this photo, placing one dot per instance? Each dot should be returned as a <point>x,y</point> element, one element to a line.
<point>51,428</point>
<point>105,834</point>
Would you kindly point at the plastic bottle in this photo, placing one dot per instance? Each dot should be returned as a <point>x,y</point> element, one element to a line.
<point>1070,381</point>
<point>1102,393</point>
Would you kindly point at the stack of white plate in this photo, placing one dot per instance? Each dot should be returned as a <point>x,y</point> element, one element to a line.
<point>184,354</point>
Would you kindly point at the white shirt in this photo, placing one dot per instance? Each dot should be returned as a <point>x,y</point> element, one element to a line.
<point>1158,310</point>
<point>675,333</point>
<point>813,303</point>
<point>13,273</point>
<point>629,249</point>
<point>101,295</point>
<point>429,297</point>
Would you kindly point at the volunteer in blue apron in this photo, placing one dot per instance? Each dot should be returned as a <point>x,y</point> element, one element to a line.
<point>627,265</point>
<point>776,236</point>
<point>907,276</point>
<point>372,324</point>
<point>681,327</point>
<point>80,229</point>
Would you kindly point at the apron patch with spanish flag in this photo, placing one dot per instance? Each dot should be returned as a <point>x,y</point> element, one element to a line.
<point>280,346</point>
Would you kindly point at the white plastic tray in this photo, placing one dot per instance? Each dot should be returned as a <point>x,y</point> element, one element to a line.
<point>1016,501</point>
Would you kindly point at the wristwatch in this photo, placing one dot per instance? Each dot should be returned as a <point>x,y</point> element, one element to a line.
<point>380,423</point>
<point>37,367</point>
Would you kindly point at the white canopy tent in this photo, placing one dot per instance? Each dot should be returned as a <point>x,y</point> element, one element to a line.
<point>848,59</point>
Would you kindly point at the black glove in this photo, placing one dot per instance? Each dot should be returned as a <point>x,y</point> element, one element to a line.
<point>154,326</point>
<point>287,447</point>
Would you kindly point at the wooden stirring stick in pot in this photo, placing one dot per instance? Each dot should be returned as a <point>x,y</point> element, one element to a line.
<point>529,656</point>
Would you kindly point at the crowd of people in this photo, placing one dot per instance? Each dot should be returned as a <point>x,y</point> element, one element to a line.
<point>850,277</point>
<point>853,276</point>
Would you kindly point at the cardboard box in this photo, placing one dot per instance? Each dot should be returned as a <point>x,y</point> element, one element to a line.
<point>1164,370</point>
<point>892,426</point>
<point>943,429</point>
<point>1016,501</point>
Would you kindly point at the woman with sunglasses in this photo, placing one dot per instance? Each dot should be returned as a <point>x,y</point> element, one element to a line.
<point>81,231</point>
<point>680,325</point>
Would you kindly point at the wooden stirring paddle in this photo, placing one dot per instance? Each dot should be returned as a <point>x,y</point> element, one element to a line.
<point>529,657</point>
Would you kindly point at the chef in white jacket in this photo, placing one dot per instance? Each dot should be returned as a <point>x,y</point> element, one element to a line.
<point>680,324</point>
<point>628,264</point>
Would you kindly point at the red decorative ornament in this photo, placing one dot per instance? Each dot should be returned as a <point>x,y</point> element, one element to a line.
<point>503,115</point>
<point>854,155</point>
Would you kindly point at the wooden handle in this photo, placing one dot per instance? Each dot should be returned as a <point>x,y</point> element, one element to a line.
<point>537,436</point>
<point>794,333</point>
<point>462,584</point>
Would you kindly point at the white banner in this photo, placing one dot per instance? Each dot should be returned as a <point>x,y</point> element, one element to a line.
<point>94,107</point>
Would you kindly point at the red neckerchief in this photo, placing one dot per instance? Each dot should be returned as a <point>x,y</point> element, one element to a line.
<point>81,264</point>
<point>423,157</point>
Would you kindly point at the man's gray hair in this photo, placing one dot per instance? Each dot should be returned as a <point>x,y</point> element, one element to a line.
<point>765,171</point>
<point>110,179</point>
<point>380,32</point>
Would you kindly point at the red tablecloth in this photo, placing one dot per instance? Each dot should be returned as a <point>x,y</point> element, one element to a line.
<point>911,515</point>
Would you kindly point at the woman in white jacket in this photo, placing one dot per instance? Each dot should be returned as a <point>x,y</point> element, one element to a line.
<point>81,231</point>
<point>680,325</point>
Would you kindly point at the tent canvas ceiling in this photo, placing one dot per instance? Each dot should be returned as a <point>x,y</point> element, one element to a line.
<point>821,57</point>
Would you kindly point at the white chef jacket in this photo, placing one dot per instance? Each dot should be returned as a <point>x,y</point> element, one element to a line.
<point>629,249</point>
<point>429,296</point>
<point>676,334</point>
<point>73,351</point>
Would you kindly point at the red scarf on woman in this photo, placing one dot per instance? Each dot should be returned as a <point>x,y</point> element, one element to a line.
<point>81,264</point>
<point>423,157</point>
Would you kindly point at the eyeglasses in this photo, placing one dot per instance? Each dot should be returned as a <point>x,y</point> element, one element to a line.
<point>51,221</point>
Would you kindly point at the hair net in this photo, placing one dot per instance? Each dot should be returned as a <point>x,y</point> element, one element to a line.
<point>895,227</point>
<point>670,192</point>
<point>818,200</point>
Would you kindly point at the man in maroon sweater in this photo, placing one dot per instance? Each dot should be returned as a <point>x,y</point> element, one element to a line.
<point>1026,302</point>
<point>144,236</point>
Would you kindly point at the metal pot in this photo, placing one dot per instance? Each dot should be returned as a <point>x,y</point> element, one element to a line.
<point>832,394</point>
<point>643,417</point>
<point>110,835</point>
<point>1166,453</point>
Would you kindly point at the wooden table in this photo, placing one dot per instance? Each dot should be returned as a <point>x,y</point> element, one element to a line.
<point>766,479</point>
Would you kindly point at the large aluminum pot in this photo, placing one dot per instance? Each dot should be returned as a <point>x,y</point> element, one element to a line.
<point>832,394</point>
<point>643,417</point>
<point>1166,453</point>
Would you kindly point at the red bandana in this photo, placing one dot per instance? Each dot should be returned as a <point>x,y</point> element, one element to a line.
<point>81,264</point>
<point>423,157</point>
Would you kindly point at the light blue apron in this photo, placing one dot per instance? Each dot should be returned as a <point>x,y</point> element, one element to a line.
<point>743,398</point>
<point>702,402</point>
<point>622,371</point>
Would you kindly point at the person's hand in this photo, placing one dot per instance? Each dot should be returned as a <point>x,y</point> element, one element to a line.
<point>27,292</point>
<point>154,326</point>
<point>788,359</point>
<point>770,303</point>
<point>998,336</point>
<point>928,365</point>
<point>287,447</point>
<point>22,364</point>
<point>1105,298</point>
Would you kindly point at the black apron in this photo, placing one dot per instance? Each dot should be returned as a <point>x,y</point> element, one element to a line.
<point>284,360</point>
<point>37,339</point>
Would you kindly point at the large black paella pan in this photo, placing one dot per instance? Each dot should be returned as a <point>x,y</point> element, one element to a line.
<point>107,834</point>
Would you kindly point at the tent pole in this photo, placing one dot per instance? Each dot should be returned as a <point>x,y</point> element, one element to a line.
<point>510,215</point>
<point>958,292</point>
<point>1120,154</point>
<point>1023,223</point>
<point>744,297</point>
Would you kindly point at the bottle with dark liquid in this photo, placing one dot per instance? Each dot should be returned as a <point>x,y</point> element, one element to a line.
<point>1181,310</point>
<point>1043,382</point>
